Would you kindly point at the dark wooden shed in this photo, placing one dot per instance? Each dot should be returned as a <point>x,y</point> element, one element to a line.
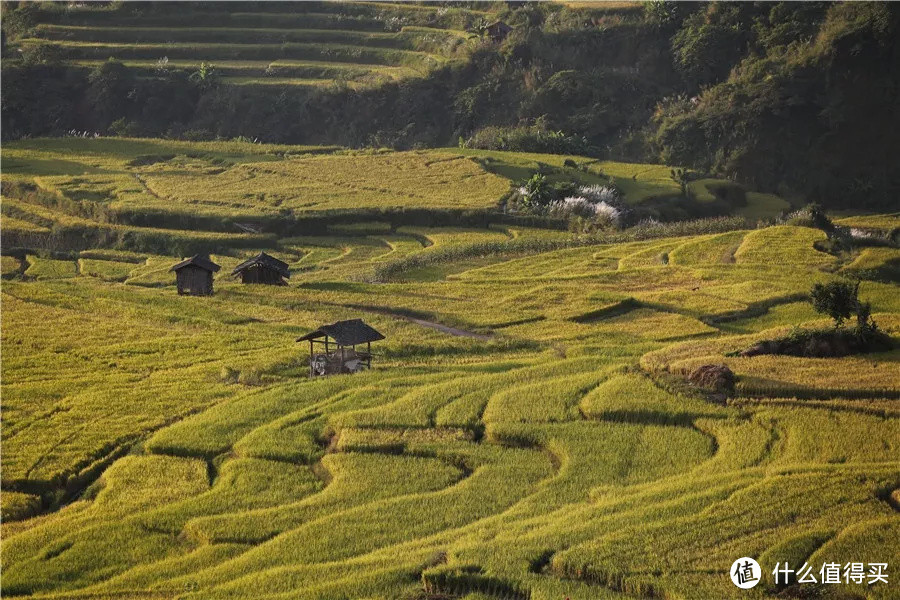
<point>263,268</point>
<point>498,30</point>
<point>339,341</point>
<point>194,276</point>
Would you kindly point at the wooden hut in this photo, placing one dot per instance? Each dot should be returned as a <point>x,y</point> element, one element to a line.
<point>497,31</point>
<point>263,268</point>
<point>194,276</point>
<point>339,341</point>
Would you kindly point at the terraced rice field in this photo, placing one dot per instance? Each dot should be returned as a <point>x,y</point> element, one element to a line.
<point>311,44</point>
<point>159,196</point>
<point>558,453</point>
<point>198,193</point>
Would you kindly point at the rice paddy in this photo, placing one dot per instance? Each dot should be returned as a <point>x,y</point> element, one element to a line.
<point>543,444</point>
<point>317,44</point>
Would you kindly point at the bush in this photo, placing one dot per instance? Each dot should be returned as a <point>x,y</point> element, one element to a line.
<point>836,299</point>
<point>533,138</point>
<point>537,193</point>
<point>810,215</point>
<point>588,209</point>
<point>828,343</point>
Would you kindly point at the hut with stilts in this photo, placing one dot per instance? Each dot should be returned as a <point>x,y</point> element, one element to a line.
<point>336,348</point>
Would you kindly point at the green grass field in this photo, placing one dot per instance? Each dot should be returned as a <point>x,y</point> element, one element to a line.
<point>542,444</point>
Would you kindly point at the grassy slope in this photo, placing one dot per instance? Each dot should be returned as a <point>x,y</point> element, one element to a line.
<point>457,464</point>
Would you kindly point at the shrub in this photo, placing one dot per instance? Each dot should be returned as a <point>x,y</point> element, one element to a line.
<point>588,216</point>
<point>810,215</point>
<point>829,343</point>
<point>42,54</point>
<point>571,205</point>
<point>588,208</point>
<point>534,138</point>
<point>837,299</point>
<point>536,194</point>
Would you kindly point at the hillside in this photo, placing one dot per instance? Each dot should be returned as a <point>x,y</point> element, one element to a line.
<point>526,431</point>
<point>788,98</point>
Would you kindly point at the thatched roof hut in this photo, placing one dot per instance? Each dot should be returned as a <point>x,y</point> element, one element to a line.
<point>498,30</point>
<point>263,268</point>
<point>342,357</point>
<point>194,276</point>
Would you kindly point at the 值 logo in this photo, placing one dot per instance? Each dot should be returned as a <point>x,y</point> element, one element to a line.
<point>745,573</point>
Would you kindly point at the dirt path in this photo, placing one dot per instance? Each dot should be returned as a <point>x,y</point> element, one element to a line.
<point>422,322</point>
<point>144,185</point>
<point>445,329</point>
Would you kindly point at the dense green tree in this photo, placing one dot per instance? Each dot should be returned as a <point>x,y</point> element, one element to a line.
<point>109,92</point>
<point>40,100</point>
<point>538,191</point>
<point>712,41</point>
<point>837,299</point>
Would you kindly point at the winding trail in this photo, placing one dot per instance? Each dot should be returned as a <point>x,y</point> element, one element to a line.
<point>484,337</point>
<point>445,328</point>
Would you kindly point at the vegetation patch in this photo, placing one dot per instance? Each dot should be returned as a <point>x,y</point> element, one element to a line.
<point>823,344</point>
<point>839,300</point>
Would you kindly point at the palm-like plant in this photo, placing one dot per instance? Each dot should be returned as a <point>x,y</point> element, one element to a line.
<point>479,30</point>
<point>206,75</point>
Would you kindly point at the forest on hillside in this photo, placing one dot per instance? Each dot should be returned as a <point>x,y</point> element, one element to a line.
<point>793,98</point>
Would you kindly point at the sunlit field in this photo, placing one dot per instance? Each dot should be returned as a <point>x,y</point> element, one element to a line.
<point>156,195</point>
<point>526,430</point>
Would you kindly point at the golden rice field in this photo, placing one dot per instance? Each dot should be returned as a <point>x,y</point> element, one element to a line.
<point>545,447</point>
<point>243,180</point>
<point>191,194</point>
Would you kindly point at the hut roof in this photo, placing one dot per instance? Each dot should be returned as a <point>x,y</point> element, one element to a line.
<point>345,333</point>
<point>499,26</point>
<point>265,260</point>
<point>198,260</point>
